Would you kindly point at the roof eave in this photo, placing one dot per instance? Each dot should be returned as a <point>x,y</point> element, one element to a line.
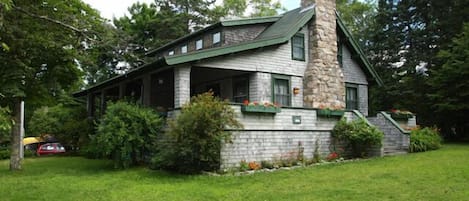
<point>119,77</point>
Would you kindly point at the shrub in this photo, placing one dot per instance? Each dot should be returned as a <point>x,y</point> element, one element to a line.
<point>67,123</point>
<point>358,134</point>
<point>126,133</point>
<point>243,166</point>
<point>194,139</point>
<point>5,124</point>
<point>424,140</point>
<point>4,153</point>
<point>267,164</point>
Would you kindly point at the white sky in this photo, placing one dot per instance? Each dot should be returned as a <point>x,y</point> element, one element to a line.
<point>117,8</point>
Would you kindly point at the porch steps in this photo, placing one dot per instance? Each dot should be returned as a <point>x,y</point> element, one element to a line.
<point>395,142</point>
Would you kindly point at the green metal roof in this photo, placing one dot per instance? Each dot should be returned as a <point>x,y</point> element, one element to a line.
<point>247,21</point>
<point>225,23</point>
<point>282,29</point>
<point>279,32</point>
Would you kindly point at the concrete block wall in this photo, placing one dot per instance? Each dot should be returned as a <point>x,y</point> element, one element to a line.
<point>272,136</point>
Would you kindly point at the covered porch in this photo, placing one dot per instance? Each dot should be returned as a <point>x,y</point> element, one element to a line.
<point>168,89</point>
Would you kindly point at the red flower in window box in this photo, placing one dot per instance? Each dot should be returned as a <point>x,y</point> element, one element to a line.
<point>246,102</point>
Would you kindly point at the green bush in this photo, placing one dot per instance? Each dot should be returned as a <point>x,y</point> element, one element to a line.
<point>4,153</point>
<point>67,123</point>
<point>193,141</point>
<point>126,133</point>
<point>358,134</point>
<point>424,140</point>
<point>5,124</point>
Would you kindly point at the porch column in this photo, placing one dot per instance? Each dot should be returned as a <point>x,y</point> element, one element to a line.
<point>182,85</point>
<point>121,90</point>
<point>146,92</point>
<point>89,104</point>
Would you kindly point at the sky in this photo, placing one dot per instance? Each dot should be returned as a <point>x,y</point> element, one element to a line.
<point>118,8</point>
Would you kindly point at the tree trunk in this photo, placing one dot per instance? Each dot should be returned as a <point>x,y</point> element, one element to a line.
<point>15,158</point>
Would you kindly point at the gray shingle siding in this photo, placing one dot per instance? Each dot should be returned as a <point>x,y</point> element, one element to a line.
<point>237,34</point>
<point>354,74</point>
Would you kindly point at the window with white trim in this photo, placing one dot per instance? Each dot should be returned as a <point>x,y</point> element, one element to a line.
<point>216,38</point>
<point>199,44</point>
<point>184,49</point>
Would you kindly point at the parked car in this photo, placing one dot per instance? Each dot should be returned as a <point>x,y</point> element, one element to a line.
<point>50,148</point>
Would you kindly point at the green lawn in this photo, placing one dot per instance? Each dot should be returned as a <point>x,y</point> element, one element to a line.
<point>436,175</point>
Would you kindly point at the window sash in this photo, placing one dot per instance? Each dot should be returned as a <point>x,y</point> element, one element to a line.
<point>240,90</point>
<point>298,47</point>
<point>184,49</point>
<point>282,92</point>
<point>351,98</point>
<point>216,38</point>
<point>199,44</point>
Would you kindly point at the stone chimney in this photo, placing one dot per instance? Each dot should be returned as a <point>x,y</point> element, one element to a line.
<point>323,82</point>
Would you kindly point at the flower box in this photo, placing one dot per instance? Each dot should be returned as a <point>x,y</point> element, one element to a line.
<point>402,116</point>
<point>260,109</point>
<point>330,113</point>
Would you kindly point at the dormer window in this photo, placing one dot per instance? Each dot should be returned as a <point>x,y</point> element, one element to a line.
<point>184,49</point>
<point>216,38</point>
<point>171,53</point>
<point>199,44</point>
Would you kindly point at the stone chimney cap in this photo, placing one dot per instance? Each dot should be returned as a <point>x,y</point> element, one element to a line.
<point>307,8</point>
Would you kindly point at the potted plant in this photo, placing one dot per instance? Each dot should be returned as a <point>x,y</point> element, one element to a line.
<point>330,112</point>
<point>255,107</point>
<point>401,114</point>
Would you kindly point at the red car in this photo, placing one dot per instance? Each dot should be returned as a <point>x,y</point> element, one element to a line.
<point>50,148</point>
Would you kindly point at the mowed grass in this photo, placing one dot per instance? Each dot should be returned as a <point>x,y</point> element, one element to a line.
<point>436,175</point>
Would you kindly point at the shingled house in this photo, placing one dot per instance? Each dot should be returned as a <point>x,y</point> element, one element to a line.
<point>303,60</point>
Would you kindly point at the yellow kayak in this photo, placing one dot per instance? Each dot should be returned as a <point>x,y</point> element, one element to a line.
<point>32,140</point>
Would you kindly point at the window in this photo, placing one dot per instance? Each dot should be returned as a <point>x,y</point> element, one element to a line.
<point>199,44</point>
<point>340,53</point>
<point>298,47</point>
<point>170,53</point>
<point>240,89</point>
<point>184,49</point>
<point>351,97</point>
<point>215,88</point>
<point>281,90</point>
<point>216,38</point>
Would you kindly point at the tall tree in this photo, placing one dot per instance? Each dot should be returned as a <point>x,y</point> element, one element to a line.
<point>358,16</point>
<point>263,8</point>
<point>152,25</point>
<point>450,86</point>
<point>44,39</point>
<point>147,27</point>
<point>407,36</point>
<point>195,13</point>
